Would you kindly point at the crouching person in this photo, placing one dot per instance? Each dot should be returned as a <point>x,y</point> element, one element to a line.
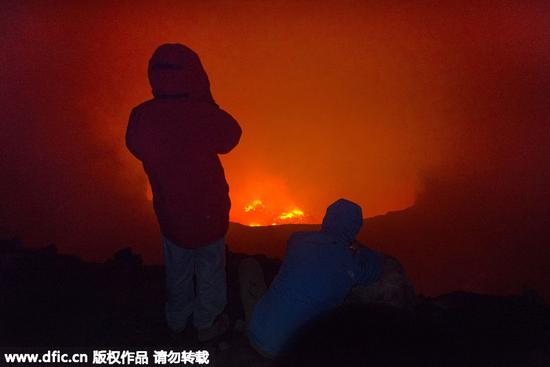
<point>318,271</point>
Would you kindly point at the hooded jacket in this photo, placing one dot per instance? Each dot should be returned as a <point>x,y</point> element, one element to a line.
<point>177,136</point>
<point>316,275</point>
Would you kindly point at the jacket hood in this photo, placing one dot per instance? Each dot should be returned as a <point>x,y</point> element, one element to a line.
<point>176,71</point>
<point>343,220</point>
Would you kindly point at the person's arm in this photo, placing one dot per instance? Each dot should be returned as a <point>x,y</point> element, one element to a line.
<point>224,131</point>
<point>367,265</point>
<point>392,288</point>
<point>131,134</point>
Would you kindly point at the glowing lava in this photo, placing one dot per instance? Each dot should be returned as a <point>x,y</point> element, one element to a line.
<point>260,215</point>
<point>254,205</point>
<point>295,213</point>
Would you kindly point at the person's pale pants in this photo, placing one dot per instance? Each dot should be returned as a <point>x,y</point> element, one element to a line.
<point>205,299</point>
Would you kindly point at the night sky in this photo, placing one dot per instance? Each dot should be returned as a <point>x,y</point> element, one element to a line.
<point>387,105</point>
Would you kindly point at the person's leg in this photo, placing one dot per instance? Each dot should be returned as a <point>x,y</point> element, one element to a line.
<point>179,269</point>
<point>252,285</point>
<point>211,284</point>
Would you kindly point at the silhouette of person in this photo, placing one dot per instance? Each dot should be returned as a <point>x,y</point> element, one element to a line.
<point>318,271</point>
<point>178,136</point>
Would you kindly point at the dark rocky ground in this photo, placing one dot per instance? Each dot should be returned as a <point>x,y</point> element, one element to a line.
<point>57,301</point>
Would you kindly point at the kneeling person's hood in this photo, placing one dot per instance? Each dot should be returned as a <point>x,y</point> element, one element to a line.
<point>343,220</point>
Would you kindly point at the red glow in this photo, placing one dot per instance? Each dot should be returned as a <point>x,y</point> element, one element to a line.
<point>355,99</point>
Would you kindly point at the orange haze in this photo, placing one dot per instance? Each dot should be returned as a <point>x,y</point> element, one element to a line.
<point>335,98</point>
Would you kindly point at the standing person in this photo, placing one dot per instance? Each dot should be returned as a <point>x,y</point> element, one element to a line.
<point>177,136</point>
